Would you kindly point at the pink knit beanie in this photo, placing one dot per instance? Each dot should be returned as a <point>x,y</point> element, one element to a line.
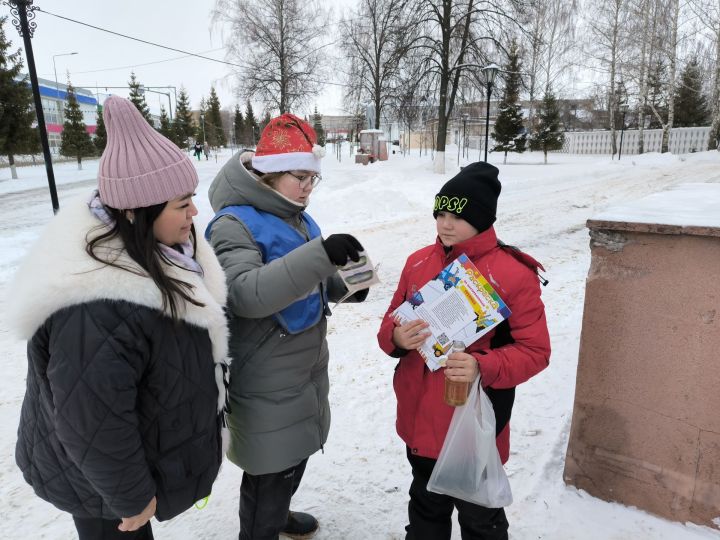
<point>140,167</point>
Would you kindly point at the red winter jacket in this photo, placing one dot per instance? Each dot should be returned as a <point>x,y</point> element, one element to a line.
<point>508,355</point>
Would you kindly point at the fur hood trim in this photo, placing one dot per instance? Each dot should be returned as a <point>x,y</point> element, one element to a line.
<point>58,273</point>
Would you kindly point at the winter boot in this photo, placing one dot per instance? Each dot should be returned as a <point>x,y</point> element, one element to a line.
<point>300,526</point>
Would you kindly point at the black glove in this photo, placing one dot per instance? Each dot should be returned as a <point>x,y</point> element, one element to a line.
<point>341,247</point>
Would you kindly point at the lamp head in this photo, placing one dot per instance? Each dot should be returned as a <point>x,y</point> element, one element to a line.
<point>490,72</point>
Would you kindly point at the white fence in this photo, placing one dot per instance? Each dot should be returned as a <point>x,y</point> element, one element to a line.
<point>682,141</point>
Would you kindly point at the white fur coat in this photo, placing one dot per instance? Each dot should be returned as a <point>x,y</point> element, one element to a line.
<point>57,273</point>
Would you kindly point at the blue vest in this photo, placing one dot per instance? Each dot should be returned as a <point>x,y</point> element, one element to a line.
<point>276,238</point>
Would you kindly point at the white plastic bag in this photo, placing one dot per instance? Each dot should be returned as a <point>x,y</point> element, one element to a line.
<point>469,466</point>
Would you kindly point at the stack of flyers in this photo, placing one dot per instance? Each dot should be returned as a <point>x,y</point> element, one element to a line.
<point>458,304</point>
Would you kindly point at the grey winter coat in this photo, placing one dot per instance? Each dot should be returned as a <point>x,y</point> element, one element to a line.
<point>122,402</point>
<point>278,382</point>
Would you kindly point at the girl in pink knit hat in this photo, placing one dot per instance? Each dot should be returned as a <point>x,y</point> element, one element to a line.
<point>127,343</point>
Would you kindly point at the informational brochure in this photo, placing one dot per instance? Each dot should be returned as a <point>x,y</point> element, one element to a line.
<point>458,304</point>
<point>358,275</point>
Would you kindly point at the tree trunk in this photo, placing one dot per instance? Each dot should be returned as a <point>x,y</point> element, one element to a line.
<point>505,158</point>
<point>613,66</point>
<point>79,163</point>
<point>377,104</point>
<point>283,68</point>
<point>671,86</point>
<point>13,169</point>
<point>715,126</point>
<point>545,153</point>
<point>440,141</point>
<point>644,74</point>
<point>446,102</point>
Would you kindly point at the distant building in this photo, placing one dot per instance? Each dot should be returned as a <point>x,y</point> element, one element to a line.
<point>341,125</point>
<point>53,100</point>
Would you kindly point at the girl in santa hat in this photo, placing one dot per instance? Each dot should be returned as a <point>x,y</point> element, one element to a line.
<point>281,274</point>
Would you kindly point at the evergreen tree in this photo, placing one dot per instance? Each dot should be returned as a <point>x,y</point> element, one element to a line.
<point>317,126</point>
<point>238,124</point>
<point>165,128</point>
<point>622,99</point>
<point>16,111</point>
<point>548,136</point>
<point>75,141</point>
<point>251,126</point>
<point>183,128</point>
<point>509,133</point>
<point>138,98</point>
<point>264,122</point>
<point>100,140</point>
<point>202,133</point>
<point>33,145</point>
<point>691,107</point>
<point>657,80</point>
<point>213,114</point>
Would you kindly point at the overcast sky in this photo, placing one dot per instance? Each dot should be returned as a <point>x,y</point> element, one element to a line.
<point>106,60</point>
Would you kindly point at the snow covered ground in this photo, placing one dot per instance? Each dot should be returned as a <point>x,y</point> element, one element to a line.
<point>358,487</point>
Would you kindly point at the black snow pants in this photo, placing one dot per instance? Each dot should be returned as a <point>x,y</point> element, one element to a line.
<point>430,513</point>
<point>265,502</point>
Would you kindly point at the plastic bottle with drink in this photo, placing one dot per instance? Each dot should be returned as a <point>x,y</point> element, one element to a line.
<point>456,393</point>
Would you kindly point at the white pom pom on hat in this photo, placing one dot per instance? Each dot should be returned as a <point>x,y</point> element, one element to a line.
<point>318,151</point>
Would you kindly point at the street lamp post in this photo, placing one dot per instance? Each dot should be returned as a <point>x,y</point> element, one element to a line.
<point>490,73</point>
<point>457,140</point>
<point>142,89</point>
<point>624,109</point>
<point>465,119</point>
<point>57,87</point>
<point>23,13</point>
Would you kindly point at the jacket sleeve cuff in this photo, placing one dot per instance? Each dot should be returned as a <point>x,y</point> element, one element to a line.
<point>398,352</point>
<point>489,367</point>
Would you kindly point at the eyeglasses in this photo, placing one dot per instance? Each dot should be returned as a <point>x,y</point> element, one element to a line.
<point>305,179</point>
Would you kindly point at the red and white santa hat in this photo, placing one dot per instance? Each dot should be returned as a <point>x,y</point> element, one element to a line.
<point>288,143</point>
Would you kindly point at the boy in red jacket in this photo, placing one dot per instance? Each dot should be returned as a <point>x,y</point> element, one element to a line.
<point>510,354</point>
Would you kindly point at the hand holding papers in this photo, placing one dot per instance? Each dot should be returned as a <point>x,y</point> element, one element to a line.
<point>458,304</point>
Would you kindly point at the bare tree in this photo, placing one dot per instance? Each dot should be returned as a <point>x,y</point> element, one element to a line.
<point>607,19</point>
<point>669,49</point>
<point>550,27</point>
<point>646,12</point>
<point>715,126</point>
<point>279,45</point>
<point>458,33</point>
<point>708,12</point>
<point>380,34</point>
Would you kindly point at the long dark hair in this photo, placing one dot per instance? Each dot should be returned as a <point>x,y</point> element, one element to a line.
<point>139,241</point>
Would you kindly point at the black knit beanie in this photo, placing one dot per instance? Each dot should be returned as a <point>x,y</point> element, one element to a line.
<point>472,195</point>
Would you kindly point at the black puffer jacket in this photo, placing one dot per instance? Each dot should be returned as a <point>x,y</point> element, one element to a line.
<point>121,402</point>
